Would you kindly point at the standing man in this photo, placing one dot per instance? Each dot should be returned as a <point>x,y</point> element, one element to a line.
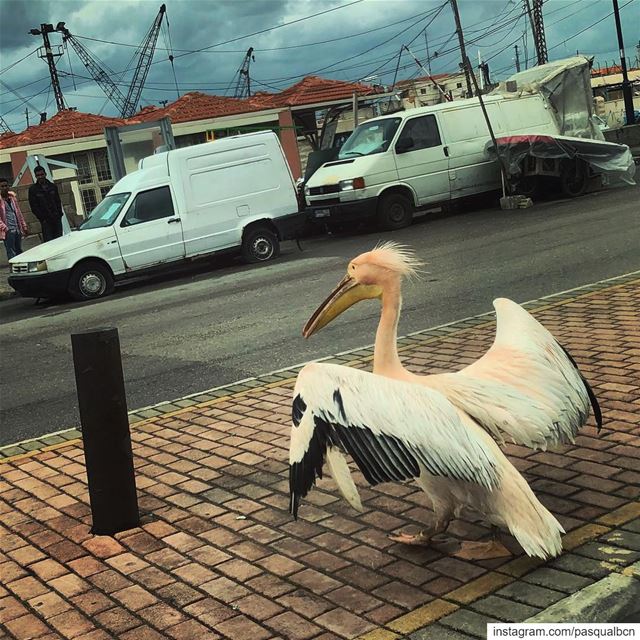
<point>44,200</point>
<point>12,224</point>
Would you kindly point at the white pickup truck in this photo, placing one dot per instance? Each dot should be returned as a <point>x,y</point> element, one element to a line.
<point>235,194</point>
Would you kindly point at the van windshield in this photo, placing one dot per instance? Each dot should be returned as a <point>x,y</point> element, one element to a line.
<point>106,212</point>
<point>369,138</point>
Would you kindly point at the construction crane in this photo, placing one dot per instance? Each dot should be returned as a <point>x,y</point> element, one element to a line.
<point>4,127</point>
<point>146,51</point>
<point>128,104</point>
<point>101,77</point>
<point>243,86</point>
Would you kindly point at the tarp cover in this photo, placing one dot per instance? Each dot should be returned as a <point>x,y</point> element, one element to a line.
<point>566,87</point>
<point>614,160</point>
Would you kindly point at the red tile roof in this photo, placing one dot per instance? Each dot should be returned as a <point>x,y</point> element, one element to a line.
<point>608,71</point>
<point>64,125</point>
<point>189,107</point>
<point>314,90</point>
<point>196,106</point>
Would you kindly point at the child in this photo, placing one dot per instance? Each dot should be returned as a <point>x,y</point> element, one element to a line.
<point>12,224</point>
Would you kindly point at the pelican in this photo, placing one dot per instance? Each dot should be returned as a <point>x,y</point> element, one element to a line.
<point>443,430</point>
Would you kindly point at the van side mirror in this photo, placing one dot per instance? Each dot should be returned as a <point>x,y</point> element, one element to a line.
<point>404,144</point>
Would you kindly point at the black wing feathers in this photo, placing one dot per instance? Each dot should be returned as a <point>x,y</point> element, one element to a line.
<point>381,457</point>
<point>597,414</point>
<point>303,474</point>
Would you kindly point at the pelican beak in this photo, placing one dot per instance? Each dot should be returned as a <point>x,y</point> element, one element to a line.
<point>346,294</point>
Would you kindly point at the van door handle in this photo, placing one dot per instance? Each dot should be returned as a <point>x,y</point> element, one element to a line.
<point>170,220</point>
<point>446,151</point>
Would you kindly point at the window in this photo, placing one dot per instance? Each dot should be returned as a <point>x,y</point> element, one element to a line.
<point>106,212</point>
<point>102,165</point>
<point>94,176</point>
<point>84,169</point>
<point>423,131</point>
<point>373,136</point>
<point>88,200</point>
<point>459,85</point>
<point>423,91</point>
<point>149,205</point>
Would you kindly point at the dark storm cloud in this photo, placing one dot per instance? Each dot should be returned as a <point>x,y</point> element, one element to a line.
<point>196,24</point>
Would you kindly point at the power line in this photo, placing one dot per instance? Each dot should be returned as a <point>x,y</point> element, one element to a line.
<point>267,49</point>
<point>13,64</point>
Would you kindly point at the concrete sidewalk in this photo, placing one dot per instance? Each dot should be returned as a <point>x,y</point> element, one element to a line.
<point>218,555</point>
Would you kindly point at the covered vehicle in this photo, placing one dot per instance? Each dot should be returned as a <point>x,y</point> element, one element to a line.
<point>577,150</point>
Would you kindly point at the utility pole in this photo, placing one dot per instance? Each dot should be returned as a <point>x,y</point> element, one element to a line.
<point>26,115</point>
<point>426,42</point>
<point>463,53</point>
<point>626,85</point>
<point>44,31</point>
<point>541,42</point>
<point>537,28</point>
<point>517,60</point>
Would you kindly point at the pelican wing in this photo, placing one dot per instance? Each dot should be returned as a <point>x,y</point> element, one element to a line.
<point>526,386</point>
<point>391,429</point>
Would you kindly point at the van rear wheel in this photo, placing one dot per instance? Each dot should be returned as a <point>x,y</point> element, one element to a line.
<point>260,244</point>
<point>395,211</point>
<point>89,280</point>
<point>574,178</point>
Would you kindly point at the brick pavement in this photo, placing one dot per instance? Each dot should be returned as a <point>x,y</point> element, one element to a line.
<point>218,556</point>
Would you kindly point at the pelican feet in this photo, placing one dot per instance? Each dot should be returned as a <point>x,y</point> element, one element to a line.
<point>423,538</point>
<point>420,539</point>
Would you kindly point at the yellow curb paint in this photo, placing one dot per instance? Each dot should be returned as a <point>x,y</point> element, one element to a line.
<point>422,616</point>
<point>632,570</point>
<point>582,534</point>
<point>479,587</point>
<point>621,515</point>
<point>379,634</point>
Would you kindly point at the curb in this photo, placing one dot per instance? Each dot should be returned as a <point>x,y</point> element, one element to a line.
<point>7,294</point>
<point>611,599</point>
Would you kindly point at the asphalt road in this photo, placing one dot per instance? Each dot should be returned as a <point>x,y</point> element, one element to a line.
<point>223,321</point>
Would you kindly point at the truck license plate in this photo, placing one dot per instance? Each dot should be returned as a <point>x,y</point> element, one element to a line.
<point>322,213</point>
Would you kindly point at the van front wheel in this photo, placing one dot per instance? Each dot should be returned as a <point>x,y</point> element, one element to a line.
<point>260,244</point>
<point>395,211</point>
<point>90,280</point>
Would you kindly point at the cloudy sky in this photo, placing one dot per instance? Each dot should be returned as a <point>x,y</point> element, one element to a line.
<point>341,39</point>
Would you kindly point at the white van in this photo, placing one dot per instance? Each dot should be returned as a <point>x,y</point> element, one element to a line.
<point>236,193</point>
<point>395,163</point>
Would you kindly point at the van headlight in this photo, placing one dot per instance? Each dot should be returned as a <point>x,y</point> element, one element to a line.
<point>41,265</point>
<point>307,191</point>
<point>350,185</point>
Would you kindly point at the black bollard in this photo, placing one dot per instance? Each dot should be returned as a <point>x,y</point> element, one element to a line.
<point>105,430</point>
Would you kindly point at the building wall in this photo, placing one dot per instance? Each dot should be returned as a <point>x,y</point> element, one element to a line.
<point>613,111</point>
<point>423,93</point>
